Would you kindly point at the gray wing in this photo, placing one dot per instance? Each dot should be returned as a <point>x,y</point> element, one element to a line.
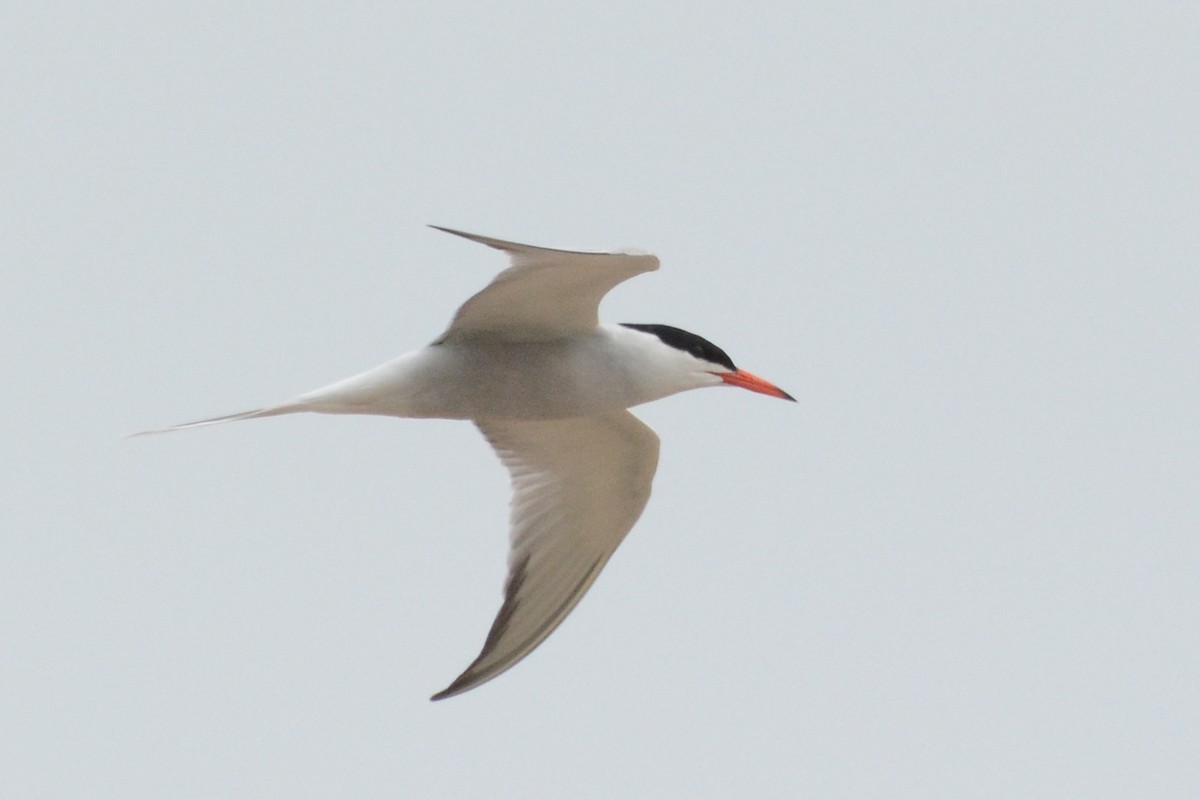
<point>579,485</point>
<point>544,294</point>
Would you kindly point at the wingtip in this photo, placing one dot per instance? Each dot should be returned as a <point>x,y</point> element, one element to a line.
<point>462,683</point>
<point>474,237</point>
<point>443,694</point>
<point>477,673</point>
<point>519,250</point>
<point>498,244</point>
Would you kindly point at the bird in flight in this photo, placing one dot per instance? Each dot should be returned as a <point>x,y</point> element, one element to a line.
<point>549,386</point>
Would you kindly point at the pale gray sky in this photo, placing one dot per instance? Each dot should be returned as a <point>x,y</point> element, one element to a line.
<point>963,235</point>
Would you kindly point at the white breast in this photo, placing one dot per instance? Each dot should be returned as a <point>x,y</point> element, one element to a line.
<point>608,369</point>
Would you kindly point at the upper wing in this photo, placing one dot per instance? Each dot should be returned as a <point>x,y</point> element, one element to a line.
<point>579,485</point>
<point>544,294</point>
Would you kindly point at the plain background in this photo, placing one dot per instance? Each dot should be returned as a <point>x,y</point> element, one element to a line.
<point>963,235</point>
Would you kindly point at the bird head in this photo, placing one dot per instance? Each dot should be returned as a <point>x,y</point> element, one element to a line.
<point>707,363</point>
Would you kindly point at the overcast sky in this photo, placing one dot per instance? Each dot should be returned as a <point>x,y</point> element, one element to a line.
<point>964,236</point>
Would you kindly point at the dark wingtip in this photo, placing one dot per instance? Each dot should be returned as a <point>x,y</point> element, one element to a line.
<point>461,684</point>
<point>443,694</point>
<point>464,683</point>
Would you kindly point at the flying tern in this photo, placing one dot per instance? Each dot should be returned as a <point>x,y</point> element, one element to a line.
<point>549,386</point>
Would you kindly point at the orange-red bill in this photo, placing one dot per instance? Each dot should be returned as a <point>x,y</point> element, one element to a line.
<point>745,380</point>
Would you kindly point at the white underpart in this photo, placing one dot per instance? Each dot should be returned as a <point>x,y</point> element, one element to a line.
<point>608,369</point>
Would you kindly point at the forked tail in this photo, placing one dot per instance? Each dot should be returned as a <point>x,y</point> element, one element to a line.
<point>273,411</point>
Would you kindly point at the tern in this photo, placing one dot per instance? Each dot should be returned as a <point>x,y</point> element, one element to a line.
<point>549,386</point>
